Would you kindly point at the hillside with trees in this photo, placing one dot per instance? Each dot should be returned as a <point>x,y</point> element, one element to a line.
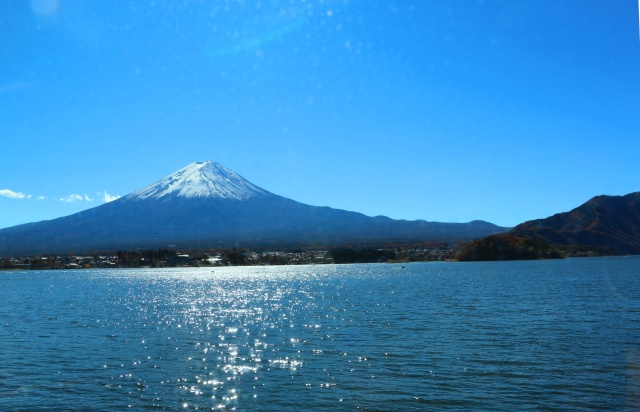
<point>509,247</point>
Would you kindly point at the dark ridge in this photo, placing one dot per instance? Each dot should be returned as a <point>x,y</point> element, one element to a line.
<point>611,222</point>
<point>604,225</point>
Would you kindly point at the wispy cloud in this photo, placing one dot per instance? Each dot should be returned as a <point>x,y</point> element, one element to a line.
<point>107,197</point>
<point>72,198</point>
<point>11,194</point>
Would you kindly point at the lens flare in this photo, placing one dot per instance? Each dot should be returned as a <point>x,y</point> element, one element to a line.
<point>45,7</point>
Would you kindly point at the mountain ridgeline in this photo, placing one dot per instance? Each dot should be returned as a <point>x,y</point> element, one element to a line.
<point>206,205</point>
<point>604,225</point>
<point>604,221</point>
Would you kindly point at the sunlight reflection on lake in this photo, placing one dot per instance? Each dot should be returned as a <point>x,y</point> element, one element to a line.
<point>499,336</point>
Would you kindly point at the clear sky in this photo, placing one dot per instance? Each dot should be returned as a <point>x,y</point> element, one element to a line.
<point>440,110</point>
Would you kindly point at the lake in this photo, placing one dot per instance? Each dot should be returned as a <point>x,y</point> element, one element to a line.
<point>503,336</point>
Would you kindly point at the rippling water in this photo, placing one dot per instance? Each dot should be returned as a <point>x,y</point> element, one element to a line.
<point>548,335</point>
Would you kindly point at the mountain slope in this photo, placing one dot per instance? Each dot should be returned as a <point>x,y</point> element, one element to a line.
<point>603,221</point>
<point>207,205</point>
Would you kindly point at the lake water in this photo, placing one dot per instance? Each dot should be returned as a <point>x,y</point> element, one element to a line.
<point>544,335</point>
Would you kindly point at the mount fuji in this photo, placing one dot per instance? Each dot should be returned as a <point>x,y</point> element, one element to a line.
<point>206,205</point>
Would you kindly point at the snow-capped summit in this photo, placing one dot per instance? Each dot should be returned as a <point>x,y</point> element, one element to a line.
<point>201,179</point>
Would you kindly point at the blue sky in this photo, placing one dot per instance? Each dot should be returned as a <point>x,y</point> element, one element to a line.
<point>439,110</point>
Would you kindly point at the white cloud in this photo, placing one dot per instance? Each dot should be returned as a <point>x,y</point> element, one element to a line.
<point>74,197</point>
<point>71,198</point>
<point>11,194</point>
<point>107,197</point>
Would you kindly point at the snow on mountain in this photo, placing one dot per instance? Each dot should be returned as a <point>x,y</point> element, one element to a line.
<point>201,179</point>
